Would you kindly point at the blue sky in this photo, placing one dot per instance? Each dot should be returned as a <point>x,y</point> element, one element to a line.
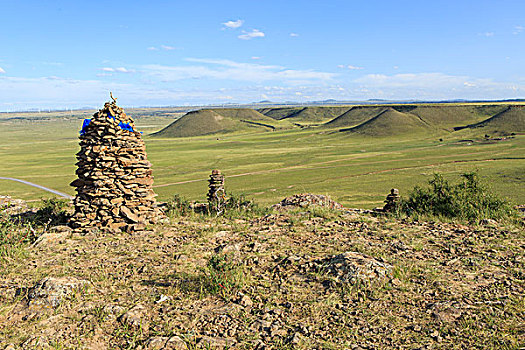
<point>70,54</point>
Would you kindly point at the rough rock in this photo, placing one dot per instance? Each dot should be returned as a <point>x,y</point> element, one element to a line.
<point>9,206</point>
<point>51,291</point>
<point>136,318</point>
<point>350,267</point>
<point>165,343</point>
<point>55,235</point>
<point>215,342</point>
<point>305,200</point>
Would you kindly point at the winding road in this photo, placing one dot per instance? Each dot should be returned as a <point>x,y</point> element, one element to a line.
<point>63,195</point>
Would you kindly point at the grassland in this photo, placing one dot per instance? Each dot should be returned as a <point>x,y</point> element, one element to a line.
<point>356,170</point>
<point>452,286</point>
<point>259,279</point>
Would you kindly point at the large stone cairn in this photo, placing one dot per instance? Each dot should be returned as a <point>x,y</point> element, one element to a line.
<point>114,185</point>
<point>216,192</point>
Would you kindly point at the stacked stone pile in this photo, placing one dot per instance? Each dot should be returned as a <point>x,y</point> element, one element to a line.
<point>305,200</point>
<point>216,192</point>
<point>114,185</point>
<point>392,200</point>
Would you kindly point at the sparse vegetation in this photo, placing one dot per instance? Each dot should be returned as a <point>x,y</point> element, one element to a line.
<point>468,200</point>
<point>223,275</point>
<point>241,282</point>
<point>52,212</point>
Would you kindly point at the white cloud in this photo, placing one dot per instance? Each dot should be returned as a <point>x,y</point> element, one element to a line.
<point>518,30</point>
<point>162,47</point>
<point>435,86</point>
<point>233,24</point>
<point>294,35</point>
<point>255,33</point>
<point>488,34</point>
<point>117,70</point>
<point>349,67</point>
<point>123,70</point>
<point>256,58</point>
<point>221,69</point>
<point>2,71</point>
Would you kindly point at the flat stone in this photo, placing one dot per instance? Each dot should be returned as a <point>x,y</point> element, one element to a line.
<point>52,291</point>
<point>215,342</point>
<point>349,267</point>
<point>136,318</point>
<point>129,214</point>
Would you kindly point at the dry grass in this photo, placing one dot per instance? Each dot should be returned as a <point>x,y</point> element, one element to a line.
<point>453,286</point>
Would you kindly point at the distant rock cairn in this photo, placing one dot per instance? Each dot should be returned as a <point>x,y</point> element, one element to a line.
<point>392,200</point>
<point>216,192</point>
<point>114,185</point>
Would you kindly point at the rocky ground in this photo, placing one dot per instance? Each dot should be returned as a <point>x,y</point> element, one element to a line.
<point>303,279</point>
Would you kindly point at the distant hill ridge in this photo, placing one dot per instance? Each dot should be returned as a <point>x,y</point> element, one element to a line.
<point>371,120</point>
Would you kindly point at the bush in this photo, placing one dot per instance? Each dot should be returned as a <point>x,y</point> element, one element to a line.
<point>178,206</point>
<point>52,212</point>
<point>468,200</point>
<point>223,275</point>
<point>238,205</point>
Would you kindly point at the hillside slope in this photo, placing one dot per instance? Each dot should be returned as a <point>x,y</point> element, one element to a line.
<point>279,113</point>
<point>391,122</point>
<point>510,120</point>
<point>354,116</point>
<point>448,117</point>
<point>212,121</point>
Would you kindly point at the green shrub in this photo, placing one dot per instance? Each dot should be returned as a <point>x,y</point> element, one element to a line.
<point>467,200</point>
<point>178,206</point>
<point>52,212</point>
<point>238,205</point>
<point>223,275</point>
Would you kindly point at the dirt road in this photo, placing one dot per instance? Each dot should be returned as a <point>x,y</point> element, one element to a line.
<point>63,195</point>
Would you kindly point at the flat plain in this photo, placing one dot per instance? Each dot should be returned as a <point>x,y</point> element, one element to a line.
<point>355,169</point>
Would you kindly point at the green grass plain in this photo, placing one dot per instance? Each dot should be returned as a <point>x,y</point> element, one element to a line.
<point>356,170</point>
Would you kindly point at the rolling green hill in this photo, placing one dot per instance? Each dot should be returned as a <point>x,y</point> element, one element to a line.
<point>391,122</point>
<point>214,121</point>
<point>510,120</point>
<point>372,120</point>
<point>280,113</point>
<point>355,116</point>
<point>449,117</point>
<point>317,114</point>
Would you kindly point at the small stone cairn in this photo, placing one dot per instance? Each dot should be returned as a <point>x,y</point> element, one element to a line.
<point>216,192</point>
<point>114,185</point>
<point>392,200</point>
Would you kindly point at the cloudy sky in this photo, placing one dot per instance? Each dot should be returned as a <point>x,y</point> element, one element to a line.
<point>70,54</point>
